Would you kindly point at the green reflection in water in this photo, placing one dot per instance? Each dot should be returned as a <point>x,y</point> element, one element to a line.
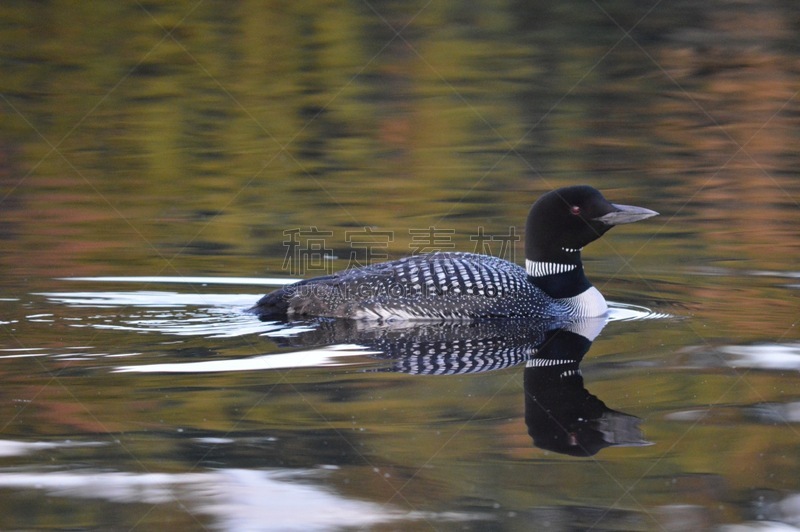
<point>184,139</point>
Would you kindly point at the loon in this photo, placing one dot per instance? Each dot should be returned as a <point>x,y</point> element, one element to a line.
<point>455,286</point>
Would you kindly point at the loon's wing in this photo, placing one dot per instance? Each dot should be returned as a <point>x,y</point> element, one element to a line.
<point>436,286</point>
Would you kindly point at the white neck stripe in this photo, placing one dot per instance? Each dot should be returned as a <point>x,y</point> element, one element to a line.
<point>540,269</point>
<point>546,362</point>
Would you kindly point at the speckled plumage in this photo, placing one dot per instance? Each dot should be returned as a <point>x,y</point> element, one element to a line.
<point>435,286</point>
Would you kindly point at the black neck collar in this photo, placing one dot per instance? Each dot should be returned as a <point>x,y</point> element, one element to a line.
<point>556,279</point>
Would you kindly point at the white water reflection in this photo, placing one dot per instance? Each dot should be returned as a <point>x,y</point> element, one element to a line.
<point>257,281</point>
<point>235,499</point>
<point>20,448</point>
<point>149,299</point>
<point>627,312</point>
<point>171,313</point>
<point>779,516</point>
<point>335,355</point>
<point>763,356</point>
<point>207,323</point>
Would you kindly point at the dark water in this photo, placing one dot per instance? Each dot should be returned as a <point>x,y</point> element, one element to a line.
<point>162,165</point>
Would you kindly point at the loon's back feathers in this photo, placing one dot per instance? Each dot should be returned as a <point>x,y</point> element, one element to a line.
<point>435,286</point>
<point>469,286</point>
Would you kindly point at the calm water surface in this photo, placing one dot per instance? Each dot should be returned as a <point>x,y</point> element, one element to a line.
<point>163,165</point>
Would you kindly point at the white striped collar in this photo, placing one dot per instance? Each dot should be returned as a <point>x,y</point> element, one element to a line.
<point>546,362</point>
<point>540,269</point>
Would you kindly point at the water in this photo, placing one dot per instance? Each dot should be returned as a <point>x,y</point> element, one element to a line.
<point>163,165</point>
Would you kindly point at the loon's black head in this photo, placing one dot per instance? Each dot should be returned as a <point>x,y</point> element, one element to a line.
<point>561,222</point>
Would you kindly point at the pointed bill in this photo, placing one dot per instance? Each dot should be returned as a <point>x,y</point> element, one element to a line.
<point>626,214</point>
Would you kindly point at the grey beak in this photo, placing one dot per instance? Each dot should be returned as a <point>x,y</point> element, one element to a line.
<point>626,214</point>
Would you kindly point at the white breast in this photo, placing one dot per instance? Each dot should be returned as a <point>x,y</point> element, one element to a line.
<point>589,303</point>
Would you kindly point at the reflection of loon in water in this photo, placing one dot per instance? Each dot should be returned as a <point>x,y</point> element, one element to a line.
<point>561,415</point>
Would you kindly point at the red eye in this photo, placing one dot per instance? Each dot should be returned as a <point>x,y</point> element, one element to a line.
<point>575,210</point>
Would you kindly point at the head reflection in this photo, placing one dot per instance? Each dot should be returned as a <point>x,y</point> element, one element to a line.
<point>561,415</point>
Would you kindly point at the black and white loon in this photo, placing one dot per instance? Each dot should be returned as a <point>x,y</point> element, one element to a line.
<point>468,286</point>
